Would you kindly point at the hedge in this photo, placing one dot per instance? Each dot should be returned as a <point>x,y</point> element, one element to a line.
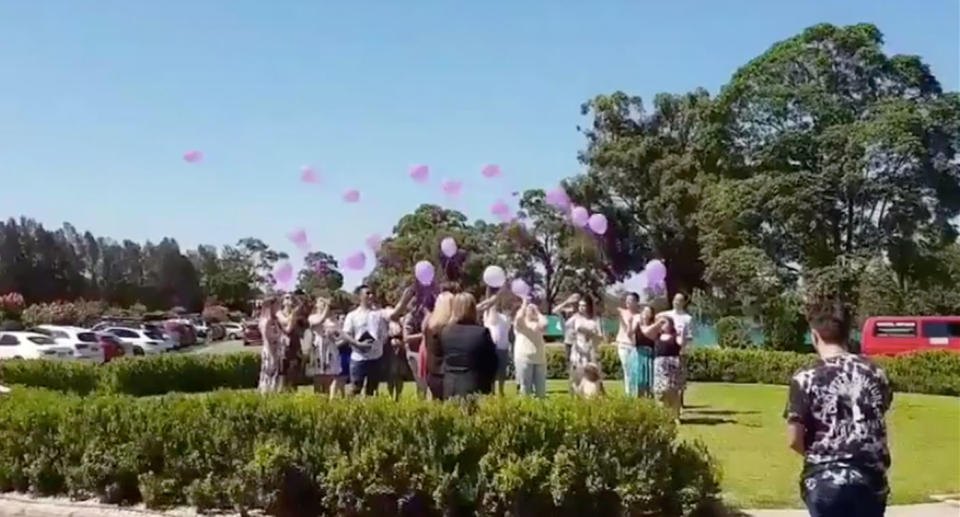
<point>930,372</point>
<point>298,454</point>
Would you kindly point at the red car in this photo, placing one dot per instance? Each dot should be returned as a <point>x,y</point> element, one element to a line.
<point>895,335</point>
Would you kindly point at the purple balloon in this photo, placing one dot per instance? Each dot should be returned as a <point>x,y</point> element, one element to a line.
<point>520,288</point>
<point>490,171</point>
<point>284,273</point>
<point>449,247</point>
<point>308,175</point>
<point>598,223</point>
<point>451,187</point>
<point>557,198</point>
<point>424,272</point>
<point>420,173</point>
<point>579,216</point>
<point>356,261</point>
<point>374,241</point>
<point>494,276</point>
<point>656,272</point>
<point>351,195</point>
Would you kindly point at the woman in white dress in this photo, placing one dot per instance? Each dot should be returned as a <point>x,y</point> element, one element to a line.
<point>588,334</point>
<point>271,355</point>
<point>323,360</point>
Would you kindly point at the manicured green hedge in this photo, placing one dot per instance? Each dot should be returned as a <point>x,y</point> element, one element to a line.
<point>931,372</point>
<point>239,450</point>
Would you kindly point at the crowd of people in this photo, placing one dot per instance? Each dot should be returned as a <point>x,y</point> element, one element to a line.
<point>458,346</point>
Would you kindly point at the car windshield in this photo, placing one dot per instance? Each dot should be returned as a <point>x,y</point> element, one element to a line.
<point>153,334</point>
<point>87,337</point>
<point>41,340</point>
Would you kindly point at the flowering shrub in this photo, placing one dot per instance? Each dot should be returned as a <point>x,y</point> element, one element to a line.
<point>11,305</point>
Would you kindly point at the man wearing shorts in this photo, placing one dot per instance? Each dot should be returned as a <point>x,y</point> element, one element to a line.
<point>366,329</point>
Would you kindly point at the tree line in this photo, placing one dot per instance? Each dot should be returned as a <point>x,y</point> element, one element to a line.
<point>823,165</point>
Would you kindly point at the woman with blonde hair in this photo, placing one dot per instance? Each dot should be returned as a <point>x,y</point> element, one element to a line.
<point>271,355</point>
<point>432,355</point>
<point>529,352</point>
<point>469,354</point>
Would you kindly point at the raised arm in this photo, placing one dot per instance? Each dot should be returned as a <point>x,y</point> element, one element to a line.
<point>402,306</point>
<point>491,300</point>
<point>573,299</point>
<point>652,331</point>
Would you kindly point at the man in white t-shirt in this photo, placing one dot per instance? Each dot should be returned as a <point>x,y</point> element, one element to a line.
<point>366,329</point>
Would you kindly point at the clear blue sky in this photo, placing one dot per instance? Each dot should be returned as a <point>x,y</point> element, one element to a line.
<point>99,100</point>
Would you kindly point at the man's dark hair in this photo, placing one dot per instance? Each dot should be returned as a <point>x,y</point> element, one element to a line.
<point>633,295</point>
<point>831,319</point>
<point>450,287</point>
<point>360,288</point>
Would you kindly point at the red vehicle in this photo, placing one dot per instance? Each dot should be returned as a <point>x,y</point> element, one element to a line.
<point>112,347</point>
<point>895,335</point>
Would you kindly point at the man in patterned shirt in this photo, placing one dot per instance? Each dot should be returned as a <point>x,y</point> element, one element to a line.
<point>835,418</point>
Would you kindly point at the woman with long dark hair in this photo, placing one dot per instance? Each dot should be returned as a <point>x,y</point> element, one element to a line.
<point>587,335</point>
<point>668,378</point>
<point>644,323</point>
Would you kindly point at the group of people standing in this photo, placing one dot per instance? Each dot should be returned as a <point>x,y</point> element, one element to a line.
<point>460,346</point>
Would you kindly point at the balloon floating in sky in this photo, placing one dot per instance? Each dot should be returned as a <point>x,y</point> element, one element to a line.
<point>656,273</point>
<point>299,238</point>
<point>520,288</point>
<point>356,261</point>
<point>193,156</point>
<point>501,210</point>
<point>490,171</point>
<point>557,198</point>
<point>451,187</point>
<point>420,173</point>
<point>351,195</point>
<point>579,216</point>
<point>308,175</point>
<point>598,223</point>
<point>374,241</point>
<point>284,274</point>
<point>424,272</point>
<point>494,276</point>
<point>449,247</point>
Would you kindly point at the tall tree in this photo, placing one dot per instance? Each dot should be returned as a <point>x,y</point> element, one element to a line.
<point>319,275</point>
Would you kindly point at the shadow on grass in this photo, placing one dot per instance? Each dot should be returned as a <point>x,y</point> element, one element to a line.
<point>723,412</point>
<point>694,420</point>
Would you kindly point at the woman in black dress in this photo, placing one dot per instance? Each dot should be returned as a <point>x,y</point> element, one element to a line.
<point>469,354</point>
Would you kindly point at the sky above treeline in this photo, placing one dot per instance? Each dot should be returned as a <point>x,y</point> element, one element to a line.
<point>99,101</point>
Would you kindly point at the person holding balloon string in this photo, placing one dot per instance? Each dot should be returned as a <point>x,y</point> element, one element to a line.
<point>566,311</point>
<point>497,319</point>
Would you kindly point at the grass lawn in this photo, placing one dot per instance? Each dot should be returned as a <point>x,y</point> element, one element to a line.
<point>742,425</point>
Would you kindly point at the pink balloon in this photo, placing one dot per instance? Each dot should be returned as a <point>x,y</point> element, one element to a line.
<point>351,195</point>
<point>579,216</point>
<point>374,241</point>
<point>308,175</point>
<point>452,187</point>
<point>299,238</point>
<point>490,171</point>
<point>501,210</point>
<point>557,198</point>
<point>284,273</point>
<point>420,173</point>
<point>424,272</point>
<point>520,288</point>
<point>598,223</point>
<point>449,247</point>
<point>656,272</point>
<point>193,156</point>
<point>356,261</point>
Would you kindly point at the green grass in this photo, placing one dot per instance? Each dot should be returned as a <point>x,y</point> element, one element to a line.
<point>742,425</point>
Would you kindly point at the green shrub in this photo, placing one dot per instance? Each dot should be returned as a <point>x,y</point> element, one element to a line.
<point>732,332</point>
<point>930,372</point>
<point>70,376</point>
<point>240,450</point>
<point>180,373</point>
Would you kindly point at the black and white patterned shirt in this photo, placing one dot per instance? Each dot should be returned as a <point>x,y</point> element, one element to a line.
<point>841,403</point>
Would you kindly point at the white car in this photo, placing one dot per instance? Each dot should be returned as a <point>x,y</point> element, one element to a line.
<point>84,342</point>
<point>151,342</point>
<point>232,330</point>
<point>30,345</point>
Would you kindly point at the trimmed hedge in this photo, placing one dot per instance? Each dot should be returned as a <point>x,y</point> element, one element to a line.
<point>298,454</point>
<point>930,372</point>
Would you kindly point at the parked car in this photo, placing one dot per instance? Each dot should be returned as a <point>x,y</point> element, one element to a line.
<point>181,332</point>
<point>142,342</point>
<point>114,348</point>
<point>84,342</point>
<point>233,330</point>
<point>895,335</point>
<point>251,333</point>
<point>31,345</point>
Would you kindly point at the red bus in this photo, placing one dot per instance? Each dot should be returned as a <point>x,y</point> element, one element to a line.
<point>894,335</point>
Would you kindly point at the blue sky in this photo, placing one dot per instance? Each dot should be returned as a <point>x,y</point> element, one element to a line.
<point>99,101</point>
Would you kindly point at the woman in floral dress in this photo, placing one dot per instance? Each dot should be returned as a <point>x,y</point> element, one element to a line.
<point>271,355</point>
<point>323,361</point>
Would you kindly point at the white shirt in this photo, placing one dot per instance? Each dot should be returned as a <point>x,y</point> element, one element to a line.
<point>372,321</point>
<point>499,326</point>
<point>683,322</point>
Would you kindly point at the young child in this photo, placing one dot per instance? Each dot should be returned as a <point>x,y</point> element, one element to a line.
<point>591,385</point>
